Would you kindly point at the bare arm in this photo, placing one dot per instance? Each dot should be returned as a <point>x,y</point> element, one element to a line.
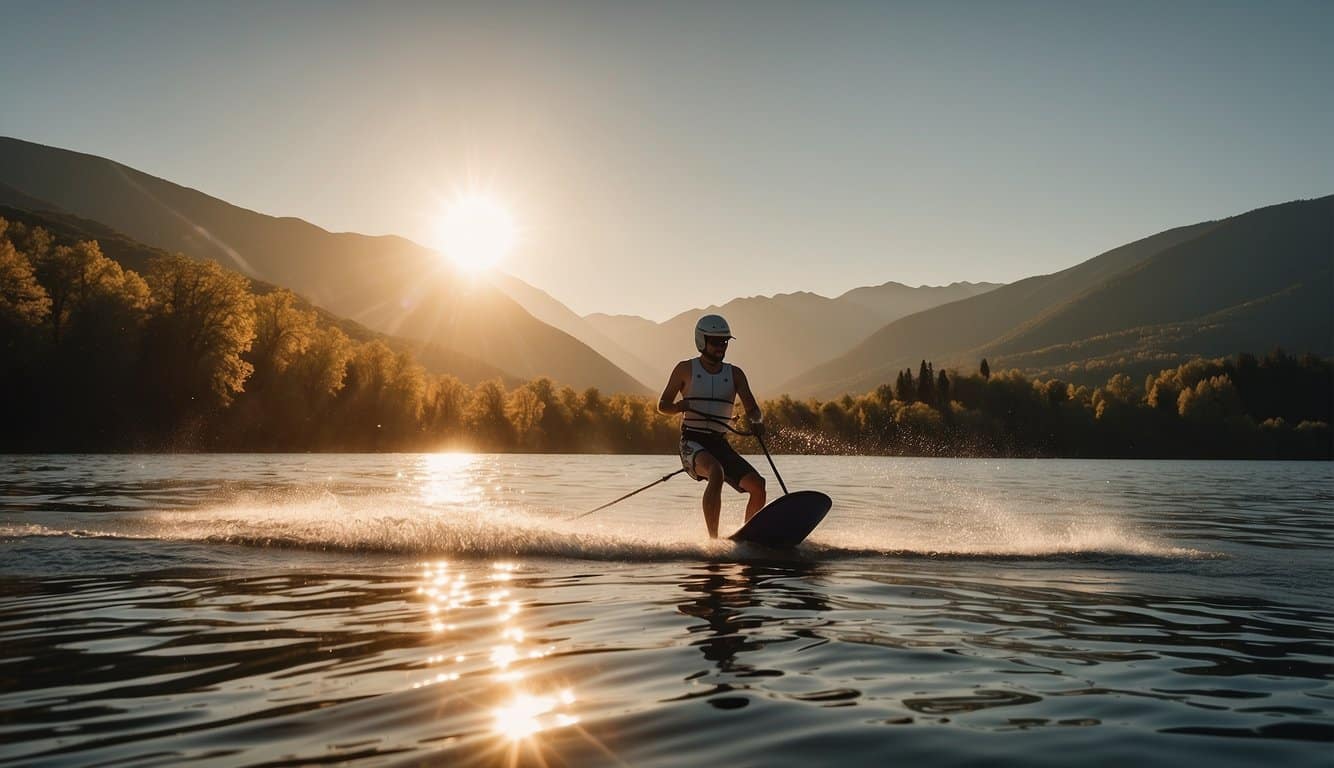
<point>675,384</point>
<point>747,398</point>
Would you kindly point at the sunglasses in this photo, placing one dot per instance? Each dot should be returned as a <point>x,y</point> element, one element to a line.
<point>717,341</point>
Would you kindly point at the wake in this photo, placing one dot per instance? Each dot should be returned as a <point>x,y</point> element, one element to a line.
<point>375,525</point>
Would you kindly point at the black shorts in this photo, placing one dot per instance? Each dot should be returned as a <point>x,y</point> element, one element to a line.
<point>715,444</point>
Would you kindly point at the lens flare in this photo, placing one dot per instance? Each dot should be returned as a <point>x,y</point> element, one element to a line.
<point>527,714</point>
<point>476,231</point>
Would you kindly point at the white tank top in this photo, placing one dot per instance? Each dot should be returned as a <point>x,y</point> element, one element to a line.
<point>711,393</point>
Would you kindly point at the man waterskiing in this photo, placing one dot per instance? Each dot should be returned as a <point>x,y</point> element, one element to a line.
<point>709,389</point>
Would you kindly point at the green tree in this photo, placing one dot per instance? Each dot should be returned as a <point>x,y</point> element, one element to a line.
<point>884,393</point>
<point>926,385</point>
<point>903,388</point>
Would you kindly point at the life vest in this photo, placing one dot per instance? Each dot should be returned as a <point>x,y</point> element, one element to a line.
<point>711,393</point>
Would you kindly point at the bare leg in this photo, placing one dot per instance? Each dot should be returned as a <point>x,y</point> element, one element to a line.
<point>707,466</point>
<point>753,484</point>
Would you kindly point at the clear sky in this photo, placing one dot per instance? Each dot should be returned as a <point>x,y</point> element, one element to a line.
<point>665,155</point>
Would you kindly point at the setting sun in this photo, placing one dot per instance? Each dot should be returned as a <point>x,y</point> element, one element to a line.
<point>476,232</point>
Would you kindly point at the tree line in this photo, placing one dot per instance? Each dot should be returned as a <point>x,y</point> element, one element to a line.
<point>188,357</point>
<point>1278,406</point>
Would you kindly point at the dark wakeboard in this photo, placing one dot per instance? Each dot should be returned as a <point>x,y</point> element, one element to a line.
<point>786,521</point>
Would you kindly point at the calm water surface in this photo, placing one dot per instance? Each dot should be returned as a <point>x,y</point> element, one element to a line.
<point>444,610</point>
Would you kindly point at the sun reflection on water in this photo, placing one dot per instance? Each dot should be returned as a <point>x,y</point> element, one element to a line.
<point>526,715</point>
<point>526,708</point>
<point>450,478</point>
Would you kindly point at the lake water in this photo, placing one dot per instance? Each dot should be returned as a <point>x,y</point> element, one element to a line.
<point>444,609</point>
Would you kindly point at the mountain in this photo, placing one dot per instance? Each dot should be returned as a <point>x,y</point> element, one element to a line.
<point>779,336</point>
<point>23,201</point>
<point>1296,318</point>
<point>891,301</point>
<point>629,331</point>
<point>1255,281</point>
<point>387,283</point>
<point>136,256</point>
<point>544,307</point>
<point>1143,300</point>
<point>1239,260</point>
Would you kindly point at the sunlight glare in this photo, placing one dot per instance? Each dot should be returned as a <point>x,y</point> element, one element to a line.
<point>528,714</point>
<point>476,231</point>
<point>447,478</point>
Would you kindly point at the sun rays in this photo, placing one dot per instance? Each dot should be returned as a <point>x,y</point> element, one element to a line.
<point>476,230</point>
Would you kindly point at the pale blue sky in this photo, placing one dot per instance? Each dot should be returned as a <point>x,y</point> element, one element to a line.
<point>666,155</point>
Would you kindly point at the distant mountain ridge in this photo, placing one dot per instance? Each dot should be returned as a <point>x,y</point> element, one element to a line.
<point>1253,282</point>
<point>893,300</point>
<point>23,201</point>
<point>1300,309</point>
<point>544,307</point>
<point>386,283</point>
<point>1162,297</point>
<point>780,335</point>
<point>1232,262</point>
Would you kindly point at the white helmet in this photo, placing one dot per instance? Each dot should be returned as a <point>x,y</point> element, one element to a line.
<point>711,325</point>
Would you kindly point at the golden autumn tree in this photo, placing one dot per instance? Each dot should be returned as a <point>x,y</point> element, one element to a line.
<point>486,416</point>
<point>283,331</point>
<point>201,322</point>
<point>23,301</point>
